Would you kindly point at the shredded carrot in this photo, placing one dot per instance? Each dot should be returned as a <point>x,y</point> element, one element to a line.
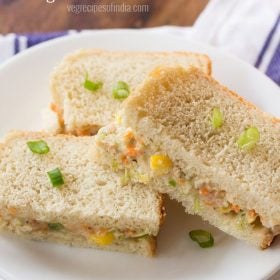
<point>82,132</point>
<point>252,213</point>
<point>12,211</point>
<point>203,191</point>
<point>129,232</point>
<point>210,203</point>
<point>124,159</point>
<point>59,113</point>
<point>132,152</point>
<point>54,108</point>
<point>86,227</point>
<point>129,139</point>
<point>181,181</point>
<point>235,208</point>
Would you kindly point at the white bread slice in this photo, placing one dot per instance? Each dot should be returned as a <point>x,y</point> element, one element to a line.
<point>170,115</point>
<point>91,201</point>
<point>82,112</point>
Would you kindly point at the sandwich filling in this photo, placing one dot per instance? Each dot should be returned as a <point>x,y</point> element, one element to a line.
<point>139,163</point>
<point>99,236</point>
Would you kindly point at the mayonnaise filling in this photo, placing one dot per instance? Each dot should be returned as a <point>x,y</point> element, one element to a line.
<point>100,236</point>
<point>126,152</point>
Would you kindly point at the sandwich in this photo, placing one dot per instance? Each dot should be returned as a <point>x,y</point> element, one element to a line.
<point>204,146</point>
<point>50,189</point>
<point>88,86</point>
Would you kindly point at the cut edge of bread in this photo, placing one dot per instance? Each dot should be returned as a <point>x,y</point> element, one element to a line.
<point>231,224</point>
<point>134,111</point>
<point>57,104</point>
<point>143,246</point>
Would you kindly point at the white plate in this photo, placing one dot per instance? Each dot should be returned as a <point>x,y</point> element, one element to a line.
<point>24,92</point>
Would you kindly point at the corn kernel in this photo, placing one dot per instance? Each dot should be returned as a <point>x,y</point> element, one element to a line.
<point>160,163</point>
<point>101,238</point>
<point>118,119</point>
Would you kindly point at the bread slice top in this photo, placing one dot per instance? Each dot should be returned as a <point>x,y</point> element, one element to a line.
<point>173,109</point>
<point>91,195</point>
<point>83,112</point>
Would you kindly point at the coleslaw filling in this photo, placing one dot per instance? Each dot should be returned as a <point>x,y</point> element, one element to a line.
<point>130,156</point>
<point>100,236</point>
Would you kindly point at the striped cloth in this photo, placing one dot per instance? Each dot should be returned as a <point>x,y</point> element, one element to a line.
<point>249,29</point>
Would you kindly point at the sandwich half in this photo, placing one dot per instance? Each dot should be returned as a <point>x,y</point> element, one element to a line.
<point>205,146</point>
<point>88,86</point>
<point>50,189</point>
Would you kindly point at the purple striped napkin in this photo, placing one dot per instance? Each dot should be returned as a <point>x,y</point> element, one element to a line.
<point>28,40</point>
<point>272,69</point>
<point>249,29</point>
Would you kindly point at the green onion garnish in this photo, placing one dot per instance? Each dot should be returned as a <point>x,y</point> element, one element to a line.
<point>242,222</point>
<point>92,86</point>
<point>121,90</point>
<point>125,178</point>
<point>202,237</point>
<point>248,138</point>
<point>55,226</point>
<point>56,178</point>
<point>115,165</point>
<point>38,147</point>
<point>143,236</point>
<point>196,205</point>
<point>217,118</point>
<point>172,183</point>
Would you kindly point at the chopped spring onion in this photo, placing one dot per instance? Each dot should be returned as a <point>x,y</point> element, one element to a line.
<point>225,209</point>
<point>242,222</point>
<point>122,84</point>
<point>172,183</point>
<point>217,118</point>
<point>56,177</point>
<point>92,86</point>
<point>143,236</point>
<point>55,226</point>
<point>114,165</point>
<point>248,138</point>
<point>125,178</point>
<point>121,90</point>
<point>142,178</point>
<point>38,147</point>
<point>202,237</point>
<point>196,205</point>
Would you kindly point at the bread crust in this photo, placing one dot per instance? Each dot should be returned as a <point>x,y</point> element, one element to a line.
<point>83,121</point>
